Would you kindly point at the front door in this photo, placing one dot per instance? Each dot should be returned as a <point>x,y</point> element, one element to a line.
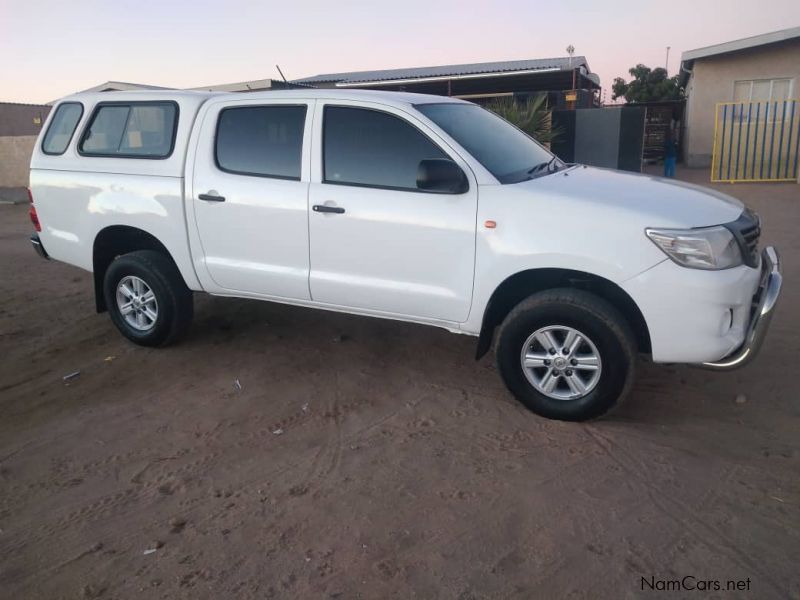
<point>250,193</point>
<point>379,243</point>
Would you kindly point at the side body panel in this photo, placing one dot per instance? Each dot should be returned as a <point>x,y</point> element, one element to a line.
<point>74,206</point>
<point>77,196</point>
<point>694,316</point>
<point>593,221</point>
<point>256,241</point>
<point>539,226</point>
<point>396,251</point>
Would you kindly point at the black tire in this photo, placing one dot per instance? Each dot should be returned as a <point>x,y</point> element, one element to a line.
<point>175,303</point>
<point>589,314</point>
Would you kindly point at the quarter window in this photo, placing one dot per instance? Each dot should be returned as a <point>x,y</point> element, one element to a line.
<point>371,148</point>
<point>134,130</point>
<point>265,141</point>
<point>61,128</point>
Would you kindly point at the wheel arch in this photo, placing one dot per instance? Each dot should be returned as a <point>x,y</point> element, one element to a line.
<point>519,286</point>
<point>116,240</point>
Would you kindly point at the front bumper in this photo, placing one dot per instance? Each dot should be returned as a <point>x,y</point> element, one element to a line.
<point>37,245</point>
<point>764,302</point>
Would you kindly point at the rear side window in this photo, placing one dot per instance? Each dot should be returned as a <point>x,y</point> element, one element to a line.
<point>131,130</point>
<point>371,148</point>
<point>265,141</point>
<point>61,128</point>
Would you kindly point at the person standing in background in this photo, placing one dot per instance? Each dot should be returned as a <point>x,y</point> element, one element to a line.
<point>670,152</point>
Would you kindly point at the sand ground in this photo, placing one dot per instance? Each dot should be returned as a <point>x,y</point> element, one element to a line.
<point>365,458</point>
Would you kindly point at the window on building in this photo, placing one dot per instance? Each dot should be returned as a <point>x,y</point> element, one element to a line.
<point>133,130</point>
<point>266,141</point>
<point>62,127</point>
<point>762,90</point>
<point>372,148</point>
<point>760,100</point>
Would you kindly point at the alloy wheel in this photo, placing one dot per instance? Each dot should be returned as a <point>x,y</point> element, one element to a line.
<point>561,362</point>
<point>137,303</point>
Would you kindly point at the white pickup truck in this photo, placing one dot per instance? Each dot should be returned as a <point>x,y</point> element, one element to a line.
<point>404,206</point>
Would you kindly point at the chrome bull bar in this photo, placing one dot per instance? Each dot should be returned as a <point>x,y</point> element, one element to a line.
<point>764,301</point>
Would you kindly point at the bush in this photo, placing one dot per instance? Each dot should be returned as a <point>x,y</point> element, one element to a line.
<point>532,116</point>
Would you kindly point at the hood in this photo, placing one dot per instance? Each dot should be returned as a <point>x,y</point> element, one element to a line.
<point>648,200</point>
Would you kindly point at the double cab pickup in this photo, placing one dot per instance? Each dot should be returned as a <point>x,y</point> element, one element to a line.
<point>403,206</point>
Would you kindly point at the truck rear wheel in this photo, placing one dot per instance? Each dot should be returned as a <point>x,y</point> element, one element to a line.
<point>566,354</point>
<point>147,298</point>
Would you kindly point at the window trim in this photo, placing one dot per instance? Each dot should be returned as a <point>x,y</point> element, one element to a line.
<point>71,135</point>
<point>130,104</point>
<point>302,105</point>
<point>385,187</point>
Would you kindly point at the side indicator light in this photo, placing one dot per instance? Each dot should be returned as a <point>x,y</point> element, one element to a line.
<point>489,224</point>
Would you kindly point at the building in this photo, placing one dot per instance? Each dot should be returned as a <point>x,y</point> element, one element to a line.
<point>122,86</point>
<point>19,126</point>
<point>256,85</point>
<point>763,68</point>
<point>568,81</point>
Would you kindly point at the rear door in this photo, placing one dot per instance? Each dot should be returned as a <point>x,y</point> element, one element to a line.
<point>249,195</point>
<point>390,247</point>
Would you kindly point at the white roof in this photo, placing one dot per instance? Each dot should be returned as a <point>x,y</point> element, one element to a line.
<point>390,98</point>
<point>743,44</point>
<point>91,97</point>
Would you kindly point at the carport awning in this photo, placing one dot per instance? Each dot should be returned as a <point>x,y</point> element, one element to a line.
<point>493,77</point>
<point>490,84</point>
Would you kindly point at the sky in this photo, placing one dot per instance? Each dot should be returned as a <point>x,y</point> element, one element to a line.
<point>51,48</point>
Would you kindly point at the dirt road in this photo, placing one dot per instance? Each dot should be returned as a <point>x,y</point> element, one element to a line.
<point>364,458</point>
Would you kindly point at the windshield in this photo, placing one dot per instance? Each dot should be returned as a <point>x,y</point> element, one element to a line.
<point>506,152</point>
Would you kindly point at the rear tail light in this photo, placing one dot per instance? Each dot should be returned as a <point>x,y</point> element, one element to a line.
<point>32,213</point>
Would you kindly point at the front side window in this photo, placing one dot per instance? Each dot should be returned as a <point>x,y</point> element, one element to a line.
<point>135,130</point>
<point>506,152</point>
<point>61,128</point>
<point>366,147</point>
<point>265,141</point>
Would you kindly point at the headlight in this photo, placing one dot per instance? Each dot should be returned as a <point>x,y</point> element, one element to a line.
<point>710,248</point>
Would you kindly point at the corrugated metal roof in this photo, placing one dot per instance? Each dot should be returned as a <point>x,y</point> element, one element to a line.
<point>561,63</point>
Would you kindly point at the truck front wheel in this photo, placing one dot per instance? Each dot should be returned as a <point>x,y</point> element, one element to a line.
<point>147,298</point>
<point>566,354</point>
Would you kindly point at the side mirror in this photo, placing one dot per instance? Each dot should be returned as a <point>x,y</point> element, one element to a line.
<point>441,175</point>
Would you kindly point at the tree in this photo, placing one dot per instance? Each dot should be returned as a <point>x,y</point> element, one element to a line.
<point>532,116</point>
<point>647,85</point>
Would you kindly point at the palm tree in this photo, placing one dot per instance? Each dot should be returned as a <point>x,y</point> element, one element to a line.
<point>531,115</point>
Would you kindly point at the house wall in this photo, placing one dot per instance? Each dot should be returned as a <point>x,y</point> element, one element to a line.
<point>712,82</point>
<point>19,126</point>
<point>15,160</point>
